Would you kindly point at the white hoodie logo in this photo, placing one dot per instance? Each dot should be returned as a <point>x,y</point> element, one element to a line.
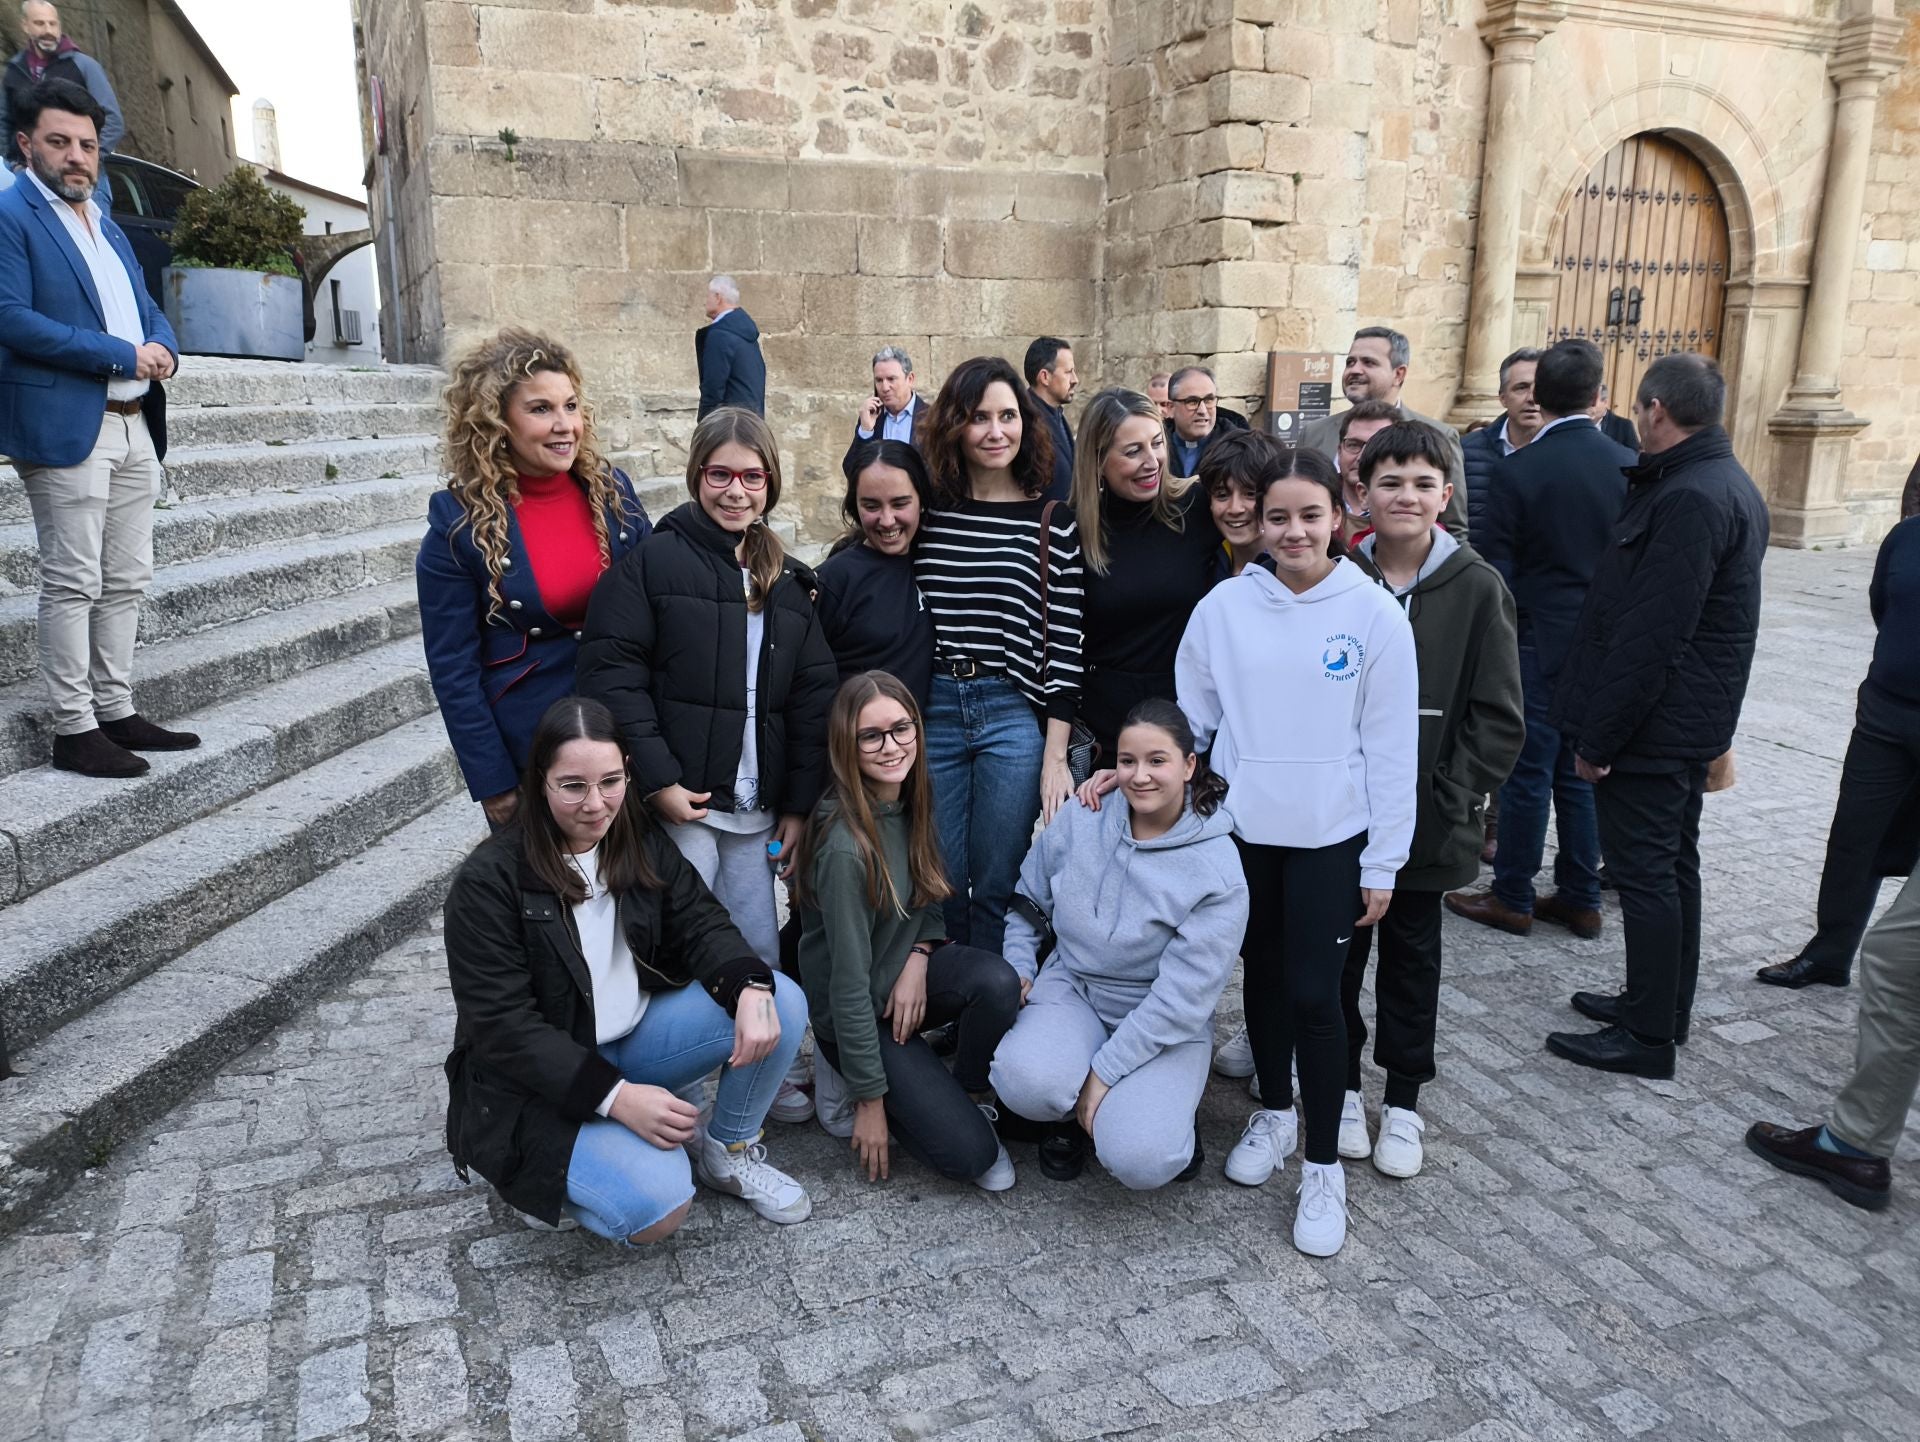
<point>1342,656</point>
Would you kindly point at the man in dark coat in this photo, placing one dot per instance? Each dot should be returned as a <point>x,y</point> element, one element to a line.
<point>1651,692</point>
<point>1479,450</point>
<point>1550,512</point>
<point>1614,426</point>
<point>50,54</point>
<point>1052,380</point>
<point>732,370</point>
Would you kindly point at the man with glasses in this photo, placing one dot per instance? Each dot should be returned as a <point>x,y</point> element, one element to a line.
<point>1194,417</point>
<point>1376,370</point>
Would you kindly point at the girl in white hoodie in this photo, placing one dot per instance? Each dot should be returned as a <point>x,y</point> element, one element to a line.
<point>1300,674</point>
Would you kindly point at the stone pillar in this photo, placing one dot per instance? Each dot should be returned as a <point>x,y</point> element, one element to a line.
<point>1813,431</point>
<point>1514,28</point>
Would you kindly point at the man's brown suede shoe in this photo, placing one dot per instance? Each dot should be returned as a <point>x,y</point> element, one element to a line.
<point>1583,922</point>
<point>1487,909</point>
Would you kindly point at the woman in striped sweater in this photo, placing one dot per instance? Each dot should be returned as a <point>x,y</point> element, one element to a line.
<point>1000,569</point>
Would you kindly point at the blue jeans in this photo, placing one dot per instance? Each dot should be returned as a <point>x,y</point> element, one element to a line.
<point>1544,776</point>
<point>984,746</point>
<point>619,1183</point>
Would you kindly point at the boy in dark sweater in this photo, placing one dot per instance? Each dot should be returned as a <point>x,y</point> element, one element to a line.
<point>1472,725</point>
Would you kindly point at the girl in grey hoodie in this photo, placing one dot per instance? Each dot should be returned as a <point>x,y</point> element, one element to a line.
<point>1147,905</point>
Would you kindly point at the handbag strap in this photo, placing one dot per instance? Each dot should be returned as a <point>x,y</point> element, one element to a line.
<point>1046,609</point>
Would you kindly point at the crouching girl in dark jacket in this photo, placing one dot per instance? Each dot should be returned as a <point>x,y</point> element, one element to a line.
<point>593,973</point>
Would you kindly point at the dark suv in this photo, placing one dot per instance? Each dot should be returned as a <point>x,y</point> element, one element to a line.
<point>146,198</point>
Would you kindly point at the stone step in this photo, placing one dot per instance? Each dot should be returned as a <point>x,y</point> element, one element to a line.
<point>54,824</point>
<point>79,941</point>
<point>201,594</point>
<point>204,381</point>
<point>194,427</point>
<point>98,1079</point>
<point>189,673</point>
<point>240,470</point>
<point>194,530</point>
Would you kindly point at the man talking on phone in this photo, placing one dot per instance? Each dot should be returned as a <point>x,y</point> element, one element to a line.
<point>893,411</point>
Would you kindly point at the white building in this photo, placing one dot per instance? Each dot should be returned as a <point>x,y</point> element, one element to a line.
<point>346,304</point>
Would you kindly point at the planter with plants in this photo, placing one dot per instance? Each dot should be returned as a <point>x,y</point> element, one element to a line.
<point>234,287</point>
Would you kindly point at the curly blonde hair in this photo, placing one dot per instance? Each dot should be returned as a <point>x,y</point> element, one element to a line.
<point>479,465</point>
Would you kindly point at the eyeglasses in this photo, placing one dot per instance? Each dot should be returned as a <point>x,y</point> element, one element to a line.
<point>1193,403</point>
<point>901,733</point>
<point>575,793</point>
<point>718,478</point>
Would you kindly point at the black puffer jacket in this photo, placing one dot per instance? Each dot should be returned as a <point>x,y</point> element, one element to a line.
<point>1660,658</point>
<point>1479,453</point>
<point>524,1073</point>
<point>665,648</point>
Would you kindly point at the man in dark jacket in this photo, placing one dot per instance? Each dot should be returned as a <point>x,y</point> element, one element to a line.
<point>51,55</point>
<point>732,370</point>
<point>1614,426</point>
<point>1481,449</point>
<point>1651,693</point>
<point>1550,510</point>
<point>1196,417</point>
<point>1052,380</point>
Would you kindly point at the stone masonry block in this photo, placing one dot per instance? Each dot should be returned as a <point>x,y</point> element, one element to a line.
<point>1041,307</point>
<point>595,45</point>
<point>847,188</point>
<point>898,247</point>
<point>1328,290</point>
<point>1190,110</point>
<point>1229,239</point>
<point>1059,197</point>
<point>451,37</point>
<point>1243,373</point>
<point>667,238</point>
<point>1257,95</point>
<point>733,239</point>
<point>837,362</point>
<point>1250,194</point>
<point>808,244</point>
<point>1038,252</point>
<point>1199,332</point>
<point>1341,106</point>
<point>1227,147</point>
<point>1245,283</point>
<point>866,305</point>
<point>962,194</point>
<point>1225,47</point>
<point>1263,12</point>
<point>482,230</point>
<point>484,102</point>
<point>1295,50</point>
<point>737,182</point>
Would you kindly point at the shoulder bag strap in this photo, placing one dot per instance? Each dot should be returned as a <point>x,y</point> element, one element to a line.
<point>1046,614</point>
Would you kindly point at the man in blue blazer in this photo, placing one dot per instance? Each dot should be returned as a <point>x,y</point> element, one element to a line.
<point>1550,512</point>
<point>80,343</point>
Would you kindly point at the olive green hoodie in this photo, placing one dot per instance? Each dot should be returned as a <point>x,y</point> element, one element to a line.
<point>1472,720</point>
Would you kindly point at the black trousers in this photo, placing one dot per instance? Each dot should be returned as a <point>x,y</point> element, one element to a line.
<point>1406,995</point>
<point>927,1107</point>
<point>1880,772</point>
<point>1302,906</point>
<point>1650,836</point>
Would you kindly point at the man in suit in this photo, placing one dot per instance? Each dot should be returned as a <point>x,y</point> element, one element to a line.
<point>80,343</point>
<point>1194,417</point>
<point>894,411</point>
<point>732,370</point>
<point>1550,508</point>
<point>1614,426</point>
<point>1052,380</point>
<point>1376,370</point>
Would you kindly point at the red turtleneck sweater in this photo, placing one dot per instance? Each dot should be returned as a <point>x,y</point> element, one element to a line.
<point>556,527</point>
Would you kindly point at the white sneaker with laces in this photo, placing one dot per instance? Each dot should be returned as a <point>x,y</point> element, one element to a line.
<point>1355,1141</point>
<point>791,1105</point>
<point>744,1172</point>
<point>1235,1056</point>
<point>832,1102</point>
<point>1262,1147</point>
<point>1320,1220</point>
<point>999,1176</point>
<point>1399,1151</point>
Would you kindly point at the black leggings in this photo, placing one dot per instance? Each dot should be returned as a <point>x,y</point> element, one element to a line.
<point>1300,920</point>
<point>928,1107</point>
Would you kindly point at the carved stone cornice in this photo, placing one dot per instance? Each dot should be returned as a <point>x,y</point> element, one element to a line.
<point>1714,21</point>
<point>1510,25</point>
<point>1870,48</point>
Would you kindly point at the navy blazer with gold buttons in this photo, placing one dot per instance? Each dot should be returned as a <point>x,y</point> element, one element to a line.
<point>495,676</point>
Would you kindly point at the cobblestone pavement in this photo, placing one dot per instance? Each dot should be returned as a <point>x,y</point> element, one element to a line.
<point>290,1255</point>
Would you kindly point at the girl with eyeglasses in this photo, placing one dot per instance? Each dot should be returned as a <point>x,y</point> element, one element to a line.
<point>593,976</point>
<point>705,646</point>
<point>877,966</point>
<point>531,516</point>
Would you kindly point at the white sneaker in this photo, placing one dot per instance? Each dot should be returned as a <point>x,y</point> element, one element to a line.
<point>832,1102</point>
<point>791,1105</point>
<point>567,1223</point>
<point>1262,1147</point>
<point>746,1173</point>
<point>1399,1153</point>
<point>1235,1056</point>
<point>999,1176</point>
<point>1320,1221</point>
<point>1355,1142</point>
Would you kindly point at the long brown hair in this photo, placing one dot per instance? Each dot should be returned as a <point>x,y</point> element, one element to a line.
<point>623,857</point>
<point>479,464</point>
<point>1207,789</point>
<point>1100,422</point>
<point>1307,464</point>
<point>766,557</point>
<point>847,803</point>
<point>953,408</point>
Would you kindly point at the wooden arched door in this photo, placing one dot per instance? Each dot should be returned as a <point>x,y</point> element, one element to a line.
<point>1641,260</point>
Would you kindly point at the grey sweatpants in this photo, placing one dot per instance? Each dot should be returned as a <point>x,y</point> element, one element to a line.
<point>734,865</point>
<point>1143,1132</point>
<point>1871,1110</point>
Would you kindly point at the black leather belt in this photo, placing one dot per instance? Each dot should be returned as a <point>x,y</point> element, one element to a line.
<point>962,668</point>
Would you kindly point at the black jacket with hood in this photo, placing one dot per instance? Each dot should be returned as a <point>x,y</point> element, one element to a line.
<point>1472,715</point>
<point>665,649</point>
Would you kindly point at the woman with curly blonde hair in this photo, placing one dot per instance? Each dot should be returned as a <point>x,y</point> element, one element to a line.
<point>531,517</point>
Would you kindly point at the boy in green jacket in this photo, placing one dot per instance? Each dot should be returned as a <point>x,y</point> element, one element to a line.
<point>1472,725</point>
